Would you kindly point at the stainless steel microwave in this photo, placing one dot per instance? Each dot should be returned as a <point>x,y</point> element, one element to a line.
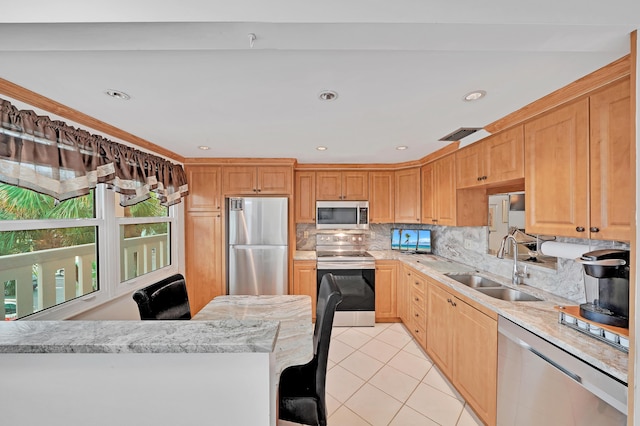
<point>342,215</point>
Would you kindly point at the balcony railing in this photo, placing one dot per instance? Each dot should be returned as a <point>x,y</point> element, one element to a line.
<point>45,278</point>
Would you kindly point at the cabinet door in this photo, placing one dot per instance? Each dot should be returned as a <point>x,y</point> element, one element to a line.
<point>475,355</point>
<point>355,186</point>
<point>204,188</point>
<point>428,194</point>
<point>386,283</point>
<point>203,246</point>
<point>381,197</point>
<point>440,328</point>
<point>503,156</point>
<point>556,171</point>
<point>469,166</point>
<point>239,180</point>
<point>445,171</point>
<point>610,144</point>
<point>407,194</point>
<point>328,186</point>
<point>304,281</point>
<point>305,197</point>
<point>274,180</point>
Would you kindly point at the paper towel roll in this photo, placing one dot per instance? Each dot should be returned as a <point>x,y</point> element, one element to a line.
<point>564,250</point>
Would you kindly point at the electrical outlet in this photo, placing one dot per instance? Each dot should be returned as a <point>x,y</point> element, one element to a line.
<point>305,234</point>
<point>468,244</point>
<point>372,235</point>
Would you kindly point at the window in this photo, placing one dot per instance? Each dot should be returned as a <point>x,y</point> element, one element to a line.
<point>145,242</point>
<point>60,258</point>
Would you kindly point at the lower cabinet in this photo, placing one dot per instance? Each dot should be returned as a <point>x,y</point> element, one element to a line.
<point>463,342</point>
<point>386,283</point>
<point>415,295</point>
<point>304,281</point>
<point>203,242</point>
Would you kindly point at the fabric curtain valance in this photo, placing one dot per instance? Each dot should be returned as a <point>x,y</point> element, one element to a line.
<point>62,161</point>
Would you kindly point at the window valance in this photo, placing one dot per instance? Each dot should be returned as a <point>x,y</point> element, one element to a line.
<point>62,161</point>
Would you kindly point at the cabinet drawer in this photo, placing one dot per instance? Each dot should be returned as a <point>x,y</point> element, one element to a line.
<point>419,333</point>
<point>418,298</point>
<point>418,315</point>
<point>418,285</point>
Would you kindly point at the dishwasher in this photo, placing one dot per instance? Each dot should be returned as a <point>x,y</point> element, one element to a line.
<point>539,383</point>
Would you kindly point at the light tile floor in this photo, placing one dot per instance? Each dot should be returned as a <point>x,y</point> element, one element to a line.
<point>380,376</point>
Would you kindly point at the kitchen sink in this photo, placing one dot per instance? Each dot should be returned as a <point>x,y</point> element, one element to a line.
<point>474,281</point>
<point>508,294</point>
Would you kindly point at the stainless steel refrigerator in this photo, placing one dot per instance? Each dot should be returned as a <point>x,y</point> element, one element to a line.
<point>257,245</point>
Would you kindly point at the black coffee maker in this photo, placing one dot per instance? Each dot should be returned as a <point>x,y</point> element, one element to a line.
<point>607,297</point>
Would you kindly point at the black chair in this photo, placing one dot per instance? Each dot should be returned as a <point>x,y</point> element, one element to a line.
<point>164,300</point>
<point>302,387</point>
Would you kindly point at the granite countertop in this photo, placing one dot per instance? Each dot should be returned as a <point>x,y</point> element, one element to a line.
<point>220,336</point>
<point>294,344</point>
<point>538,317</point>
<point>304,255</point>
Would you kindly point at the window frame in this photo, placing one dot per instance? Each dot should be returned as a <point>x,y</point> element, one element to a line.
<point>107,253</point>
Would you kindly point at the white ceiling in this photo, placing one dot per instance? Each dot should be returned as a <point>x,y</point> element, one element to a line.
<point>400,68</point>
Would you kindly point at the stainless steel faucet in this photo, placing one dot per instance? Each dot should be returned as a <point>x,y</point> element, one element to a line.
<point>517,275</point>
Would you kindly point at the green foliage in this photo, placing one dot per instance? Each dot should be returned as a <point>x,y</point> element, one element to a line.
<point>23,204</point>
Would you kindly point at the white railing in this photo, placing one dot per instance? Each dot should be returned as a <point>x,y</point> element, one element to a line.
<point>48,277</point>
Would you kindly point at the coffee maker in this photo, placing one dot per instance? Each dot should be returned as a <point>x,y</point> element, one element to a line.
<point>608,295</point>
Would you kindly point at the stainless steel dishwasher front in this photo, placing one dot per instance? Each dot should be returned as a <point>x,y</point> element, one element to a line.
<point>539,383</point>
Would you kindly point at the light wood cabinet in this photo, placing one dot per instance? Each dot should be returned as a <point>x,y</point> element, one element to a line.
<point>305,281</point>
<point>204,188</point>
<point>204,254</point>
<point>463,342</point>
<point>414,313</point>
<point>305,197</point>
<point>439,192</point>
<point>475,357</point>
<point>342,185</point>
<point>578,168</point>
<point>407,196</point>
<point>496,160</point>
<point>256,180</point>
<point>611,194</point>
<point>386,290</point>
<point>381,197</point>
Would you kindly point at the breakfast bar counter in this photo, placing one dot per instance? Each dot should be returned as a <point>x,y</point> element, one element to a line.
<point>222,367</point>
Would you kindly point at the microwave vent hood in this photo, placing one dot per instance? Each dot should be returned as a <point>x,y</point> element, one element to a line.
<point>462,132</point>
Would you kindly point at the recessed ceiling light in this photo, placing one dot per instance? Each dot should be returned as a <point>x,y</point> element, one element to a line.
<point>475,95</point>
<point>401,147</point>
<point>328,95</point>
<point>321,148</point>
<point>203,147</point>
<point>117,94</point>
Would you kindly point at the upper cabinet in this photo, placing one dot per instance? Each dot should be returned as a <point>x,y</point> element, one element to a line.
<point>381,197</point>
<point>256,180</point>
<point>305,197</point>
<point>611,192</point>
<point>439,191</point>
<point>495,160</point>
<point>407,196</point>
<point>342,185</point>
<point>204,188</point>
<point>577,176</point>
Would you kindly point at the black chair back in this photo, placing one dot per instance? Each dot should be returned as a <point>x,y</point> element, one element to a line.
<point>164,300</point>
<point>302,387</point>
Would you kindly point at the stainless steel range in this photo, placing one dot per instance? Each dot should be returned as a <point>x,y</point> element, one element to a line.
<point>344,255</point>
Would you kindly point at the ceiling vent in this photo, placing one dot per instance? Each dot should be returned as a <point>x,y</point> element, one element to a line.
<point>462,132</point>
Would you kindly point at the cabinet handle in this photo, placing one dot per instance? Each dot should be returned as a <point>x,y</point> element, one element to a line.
<point>484,178</point>
<point>594,229</point>
<point>416,331</point>
<point>449,300</point>
<point>434,220</point>
<point>479,178</point>
<point>580,228</point>
<point>416,299</point>
<point>417,283</point>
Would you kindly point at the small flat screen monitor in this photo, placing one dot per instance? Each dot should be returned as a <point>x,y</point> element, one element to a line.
<point>411,240</point>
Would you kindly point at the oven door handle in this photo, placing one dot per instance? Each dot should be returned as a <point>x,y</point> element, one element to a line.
<point>324,266</point>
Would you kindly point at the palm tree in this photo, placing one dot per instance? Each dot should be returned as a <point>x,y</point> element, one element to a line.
<point>23,204</point>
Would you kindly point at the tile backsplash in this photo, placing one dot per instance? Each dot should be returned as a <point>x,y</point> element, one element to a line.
<point>468,245</point>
